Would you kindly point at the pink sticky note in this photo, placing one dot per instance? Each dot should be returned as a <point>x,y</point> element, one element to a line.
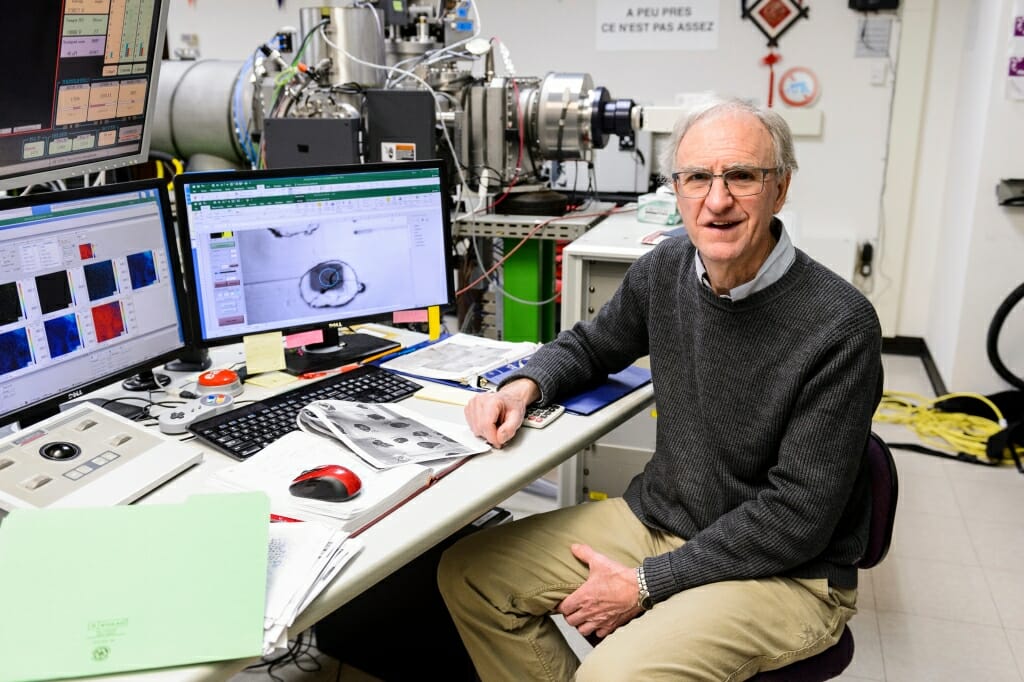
<point>304,338</point>
<point>406,316</point>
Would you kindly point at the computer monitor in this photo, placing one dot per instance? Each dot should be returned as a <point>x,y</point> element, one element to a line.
<point>90,292</point>
<point>314,248</point>
<point>81,86</point>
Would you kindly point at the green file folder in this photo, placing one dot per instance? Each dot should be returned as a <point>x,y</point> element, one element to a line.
<point>109,589</point>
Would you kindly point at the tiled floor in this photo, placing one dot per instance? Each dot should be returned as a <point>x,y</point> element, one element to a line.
<point>948,601</point>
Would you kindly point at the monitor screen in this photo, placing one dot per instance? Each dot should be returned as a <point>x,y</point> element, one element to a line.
<point>292,249</point>
<point>82,86</point>
<point>90,289</point>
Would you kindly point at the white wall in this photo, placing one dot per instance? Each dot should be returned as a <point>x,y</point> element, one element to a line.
<point>228,29</point>
<point>967,252</point>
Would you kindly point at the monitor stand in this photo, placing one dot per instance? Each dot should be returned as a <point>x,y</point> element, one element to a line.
<point>191,359</point>
<point>349,348</point>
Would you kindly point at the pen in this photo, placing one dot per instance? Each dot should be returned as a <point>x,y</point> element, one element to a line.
<point>406,351</point>
<point>378,356</point>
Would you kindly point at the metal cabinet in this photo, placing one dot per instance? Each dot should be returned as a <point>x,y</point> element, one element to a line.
<point>592,268</point>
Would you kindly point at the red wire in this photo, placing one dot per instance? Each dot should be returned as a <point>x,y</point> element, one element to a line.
<point>532,232</point>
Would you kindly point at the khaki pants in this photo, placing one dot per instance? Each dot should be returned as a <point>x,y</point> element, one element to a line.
<point>501,583</point>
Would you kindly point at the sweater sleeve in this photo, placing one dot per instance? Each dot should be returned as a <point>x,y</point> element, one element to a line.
<point>584,355</point>
<point>792,519</point>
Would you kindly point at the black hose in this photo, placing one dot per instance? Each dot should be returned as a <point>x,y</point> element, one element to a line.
<point>993,337</point>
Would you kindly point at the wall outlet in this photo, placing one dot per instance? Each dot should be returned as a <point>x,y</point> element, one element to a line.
<point>880,72</point>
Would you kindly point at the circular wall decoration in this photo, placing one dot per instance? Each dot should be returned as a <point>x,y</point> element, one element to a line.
<point>798,87</point>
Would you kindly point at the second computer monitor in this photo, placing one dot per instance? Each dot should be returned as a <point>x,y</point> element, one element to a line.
<point>90,290</point>
<point>295,249</point>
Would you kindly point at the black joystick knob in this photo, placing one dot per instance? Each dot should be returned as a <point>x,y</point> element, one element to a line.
<point>60,451</point>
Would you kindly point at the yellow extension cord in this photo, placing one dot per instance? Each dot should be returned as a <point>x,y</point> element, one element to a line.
<point>954,431</point>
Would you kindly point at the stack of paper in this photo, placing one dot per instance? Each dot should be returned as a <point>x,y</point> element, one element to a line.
<point>460,358</point>
<point>393,450</point>
<point>273,469</point>
<point>302,561</point>
<point>386,435</point>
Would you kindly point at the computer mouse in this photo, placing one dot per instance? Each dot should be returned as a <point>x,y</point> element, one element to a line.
<point>330,483</point>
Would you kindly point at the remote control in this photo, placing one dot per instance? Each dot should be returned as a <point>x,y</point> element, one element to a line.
<point>539,417</point>
<point>178,419</point>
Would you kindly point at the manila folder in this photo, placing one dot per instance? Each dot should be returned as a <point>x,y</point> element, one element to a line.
<point>89,591</point>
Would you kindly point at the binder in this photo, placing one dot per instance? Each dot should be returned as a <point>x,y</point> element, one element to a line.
<point>92,591</point>
<point>617,385</point>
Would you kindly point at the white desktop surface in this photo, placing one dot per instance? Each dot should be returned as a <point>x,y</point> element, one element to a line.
<point>447,506</point>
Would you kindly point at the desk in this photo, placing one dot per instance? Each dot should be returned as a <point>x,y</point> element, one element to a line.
<point>455,501</point>
<point>592,269</point>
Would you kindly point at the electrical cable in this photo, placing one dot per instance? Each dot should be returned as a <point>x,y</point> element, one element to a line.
<point>429,58</point>
<point>953,434</point>
<point>437,107</point>
<point>241,126</point>
<point>305,41</point>
<point>992,342</point>
<point>865,285</point>
<point>536,228</point>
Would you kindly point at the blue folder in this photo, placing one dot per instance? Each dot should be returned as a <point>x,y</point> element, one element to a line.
<point>617,385</point>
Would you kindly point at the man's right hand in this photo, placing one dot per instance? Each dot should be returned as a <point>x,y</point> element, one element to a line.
<point>496,417</point>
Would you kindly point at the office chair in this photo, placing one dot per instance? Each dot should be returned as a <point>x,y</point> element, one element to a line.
<point>884,492</point>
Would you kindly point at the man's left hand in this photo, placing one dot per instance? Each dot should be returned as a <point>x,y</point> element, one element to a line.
<point>606,600</point>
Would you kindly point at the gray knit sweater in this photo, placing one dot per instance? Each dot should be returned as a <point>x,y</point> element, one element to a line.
<point>764,408</point>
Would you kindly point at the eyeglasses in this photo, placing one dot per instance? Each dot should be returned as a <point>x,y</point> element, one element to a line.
<point>740,182</point>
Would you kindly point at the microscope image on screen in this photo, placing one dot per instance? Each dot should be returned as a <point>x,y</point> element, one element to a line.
<point>291,250</point>
<point>334,264</point>
<point>330,284</point>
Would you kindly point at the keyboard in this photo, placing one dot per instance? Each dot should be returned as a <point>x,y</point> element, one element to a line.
<point>247,429</point>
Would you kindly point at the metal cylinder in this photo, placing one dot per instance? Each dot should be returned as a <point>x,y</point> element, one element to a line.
<point>309,19</point>
<point>194,109</point>
<point>359,32</point>
<point>560,116</point>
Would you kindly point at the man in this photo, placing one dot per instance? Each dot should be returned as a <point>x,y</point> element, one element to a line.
<point>734,550</point>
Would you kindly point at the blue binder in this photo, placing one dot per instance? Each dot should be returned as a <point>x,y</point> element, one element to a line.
<point>617,385</point>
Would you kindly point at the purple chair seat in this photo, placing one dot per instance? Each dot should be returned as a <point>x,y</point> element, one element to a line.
<point>884,493</point>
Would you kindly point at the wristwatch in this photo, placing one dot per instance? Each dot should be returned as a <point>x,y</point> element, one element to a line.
<point>644,599</point>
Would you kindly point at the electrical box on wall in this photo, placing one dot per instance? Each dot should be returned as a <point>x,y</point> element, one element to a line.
<point>874,5</point>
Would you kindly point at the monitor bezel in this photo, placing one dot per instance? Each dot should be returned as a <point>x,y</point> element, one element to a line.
<point>8,182</point>
<point>53,402</point>
<point>185,236</point>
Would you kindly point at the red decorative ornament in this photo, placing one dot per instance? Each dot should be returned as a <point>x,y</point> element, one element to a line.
<point>773,17</point>
<point>770,60</point>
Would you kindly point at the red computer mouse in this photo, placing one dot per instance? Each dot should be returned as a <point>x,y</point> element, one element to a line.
<point>330,483</point>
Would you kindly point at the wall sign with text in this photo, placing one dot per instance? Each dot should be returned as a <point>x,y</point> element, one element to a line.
<point>691,25</point>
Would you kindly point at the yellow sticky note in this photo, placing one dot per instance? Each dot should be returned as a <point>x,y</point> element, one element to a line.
<point>263,352</point>
<point>434,322</point>
<point>272,379</point>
